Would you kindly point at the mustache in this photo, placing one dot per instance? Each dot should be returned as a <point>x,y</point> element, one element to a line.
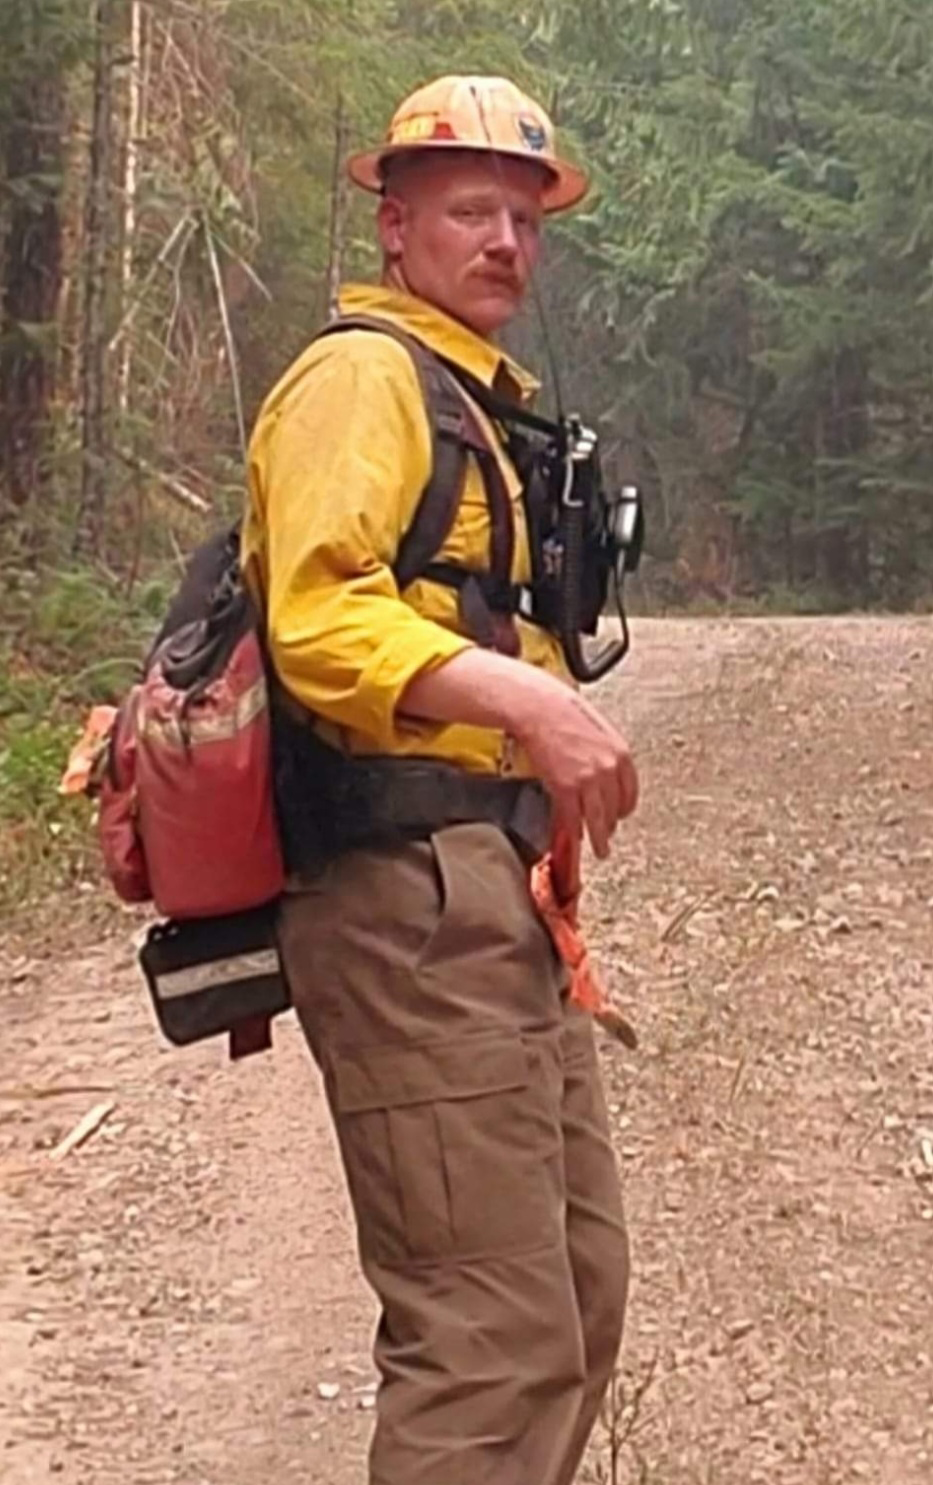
<point>503,280</point>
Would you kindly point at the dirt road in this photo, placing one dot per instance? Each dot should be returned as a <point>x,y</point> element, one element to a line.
<point>176,1295</point>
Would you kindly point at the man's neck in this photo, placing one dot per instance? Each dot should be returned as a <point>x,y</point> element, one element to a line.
<point>394,278</point>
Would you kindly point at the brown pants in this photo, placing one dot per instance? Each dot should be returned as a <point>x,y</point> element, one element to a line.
<point>468,1107</point>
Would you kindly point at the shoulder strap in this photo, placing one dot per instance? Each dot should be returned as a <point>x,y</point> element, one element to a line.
<point>455,432</point>
<point>451,440</point>
<point>504,409</point>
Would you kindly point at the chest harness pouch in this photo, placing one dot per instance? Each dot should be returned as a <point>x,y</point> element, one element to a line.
<point>584,538</point>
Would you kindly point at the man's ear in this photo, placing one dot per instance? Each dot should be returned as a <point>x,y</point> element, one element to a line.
<point>391,220</point>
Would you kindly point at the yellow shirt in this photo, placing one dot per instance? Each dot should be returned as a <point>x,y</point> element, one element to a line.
<point>339,458</point>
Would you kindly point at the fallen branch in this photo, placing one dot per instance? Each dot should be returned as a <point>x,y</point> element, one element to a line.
<point>63,1090</point>
<point>182,231</point>
<point>170,482</point>
<point>83,1130</point>
<point>683,915</point>
<point>247,268</point>
<point>229,341</point>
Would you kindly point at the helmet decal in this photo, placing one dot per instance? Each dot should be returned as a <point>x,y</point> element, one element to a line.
<point>533,132</point>
<point>417,126</point>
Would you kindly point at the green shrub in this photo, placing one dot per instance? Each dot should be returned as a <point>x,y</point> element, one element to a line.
<point>68,639</point>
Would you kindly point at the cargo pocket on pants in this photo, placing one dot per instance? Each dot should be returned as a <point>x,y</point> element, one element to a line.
<point>448,1148</point>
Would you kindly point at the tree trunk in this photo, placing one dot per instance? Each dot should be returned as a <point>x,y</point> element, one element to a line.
<point>32,258</point>
<point>94,437</point>
<point>134,123</point>
<point>338,209</point>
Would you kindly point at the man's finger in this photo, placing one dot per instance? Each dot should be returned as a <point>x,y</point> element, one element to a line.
<point>613,799</point>
<point>627,776</point>
<point>597,826</point>
<point>567,815</point>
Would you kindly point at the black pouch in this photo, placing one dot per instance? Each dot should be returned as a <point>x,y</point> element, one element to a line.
<point>213,976</point>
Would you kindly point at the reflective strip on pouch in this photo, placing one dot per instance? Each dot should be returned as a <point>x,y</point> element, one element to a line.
<point>238,969</point>
<point>213,727</point>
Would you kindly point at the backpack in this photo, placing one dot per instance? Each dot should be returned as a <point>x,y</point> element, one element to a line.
<point>187,814</point>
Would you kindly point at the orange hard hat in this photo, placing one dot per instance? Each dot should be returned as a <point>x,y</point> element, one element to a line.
<point>474,113</point>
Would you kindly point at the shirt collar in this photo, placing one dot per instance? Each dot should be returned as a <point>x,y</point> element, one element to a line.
<point>443,335</point>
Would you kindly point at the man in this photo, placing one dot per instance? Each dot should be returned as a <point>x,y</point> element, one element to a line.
<point>464,1089</point>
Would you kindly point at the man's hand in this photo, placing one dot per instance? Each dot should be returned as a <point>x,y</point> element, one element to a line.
<point>582,760</point>
<point>584,763</point>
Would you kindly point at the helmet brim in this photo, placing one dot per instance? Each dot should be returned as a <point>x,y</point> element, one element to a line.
<point>566,185</point>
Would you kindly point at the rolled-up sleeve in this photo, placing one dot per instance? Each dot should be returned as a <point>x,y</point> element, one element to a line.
<point>340,467</point>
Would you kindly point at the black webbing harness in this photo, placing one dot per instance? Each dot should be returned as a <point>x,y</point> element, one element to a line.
<point>329,802</point>
<point>488,598</point>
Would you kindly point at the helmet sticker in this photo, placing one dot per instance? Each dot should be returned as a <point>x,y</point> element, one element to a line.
<point>533,132</point>
<point>416,126</point>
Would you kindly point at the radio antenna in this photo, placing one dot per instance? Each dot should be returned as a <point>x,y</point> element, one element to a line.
<point>531,271</point>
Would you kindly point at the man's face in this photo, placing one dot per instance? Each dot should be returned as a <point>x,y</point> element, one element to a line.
<point>463,231</point>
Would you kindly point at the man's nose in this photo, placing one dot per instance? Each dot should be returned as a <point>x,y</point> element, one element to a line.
<point>504,239</point>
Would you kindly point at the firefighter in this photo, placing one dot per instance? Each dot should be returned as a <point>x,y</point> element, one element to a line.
<point>462,1082</point>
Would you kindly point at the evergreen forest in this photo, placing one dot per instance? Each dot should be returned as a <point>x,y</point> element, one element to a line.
<point>744,306</point>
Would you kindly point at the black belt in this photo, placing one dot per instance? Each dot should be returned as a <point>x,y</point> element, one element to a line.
<point>411,798</point>
<point>329,803</point>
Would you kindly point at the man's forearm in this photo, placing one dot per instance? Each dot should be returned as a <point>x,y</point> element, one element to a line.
<point>479,688</point>
<point>580,758</point>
